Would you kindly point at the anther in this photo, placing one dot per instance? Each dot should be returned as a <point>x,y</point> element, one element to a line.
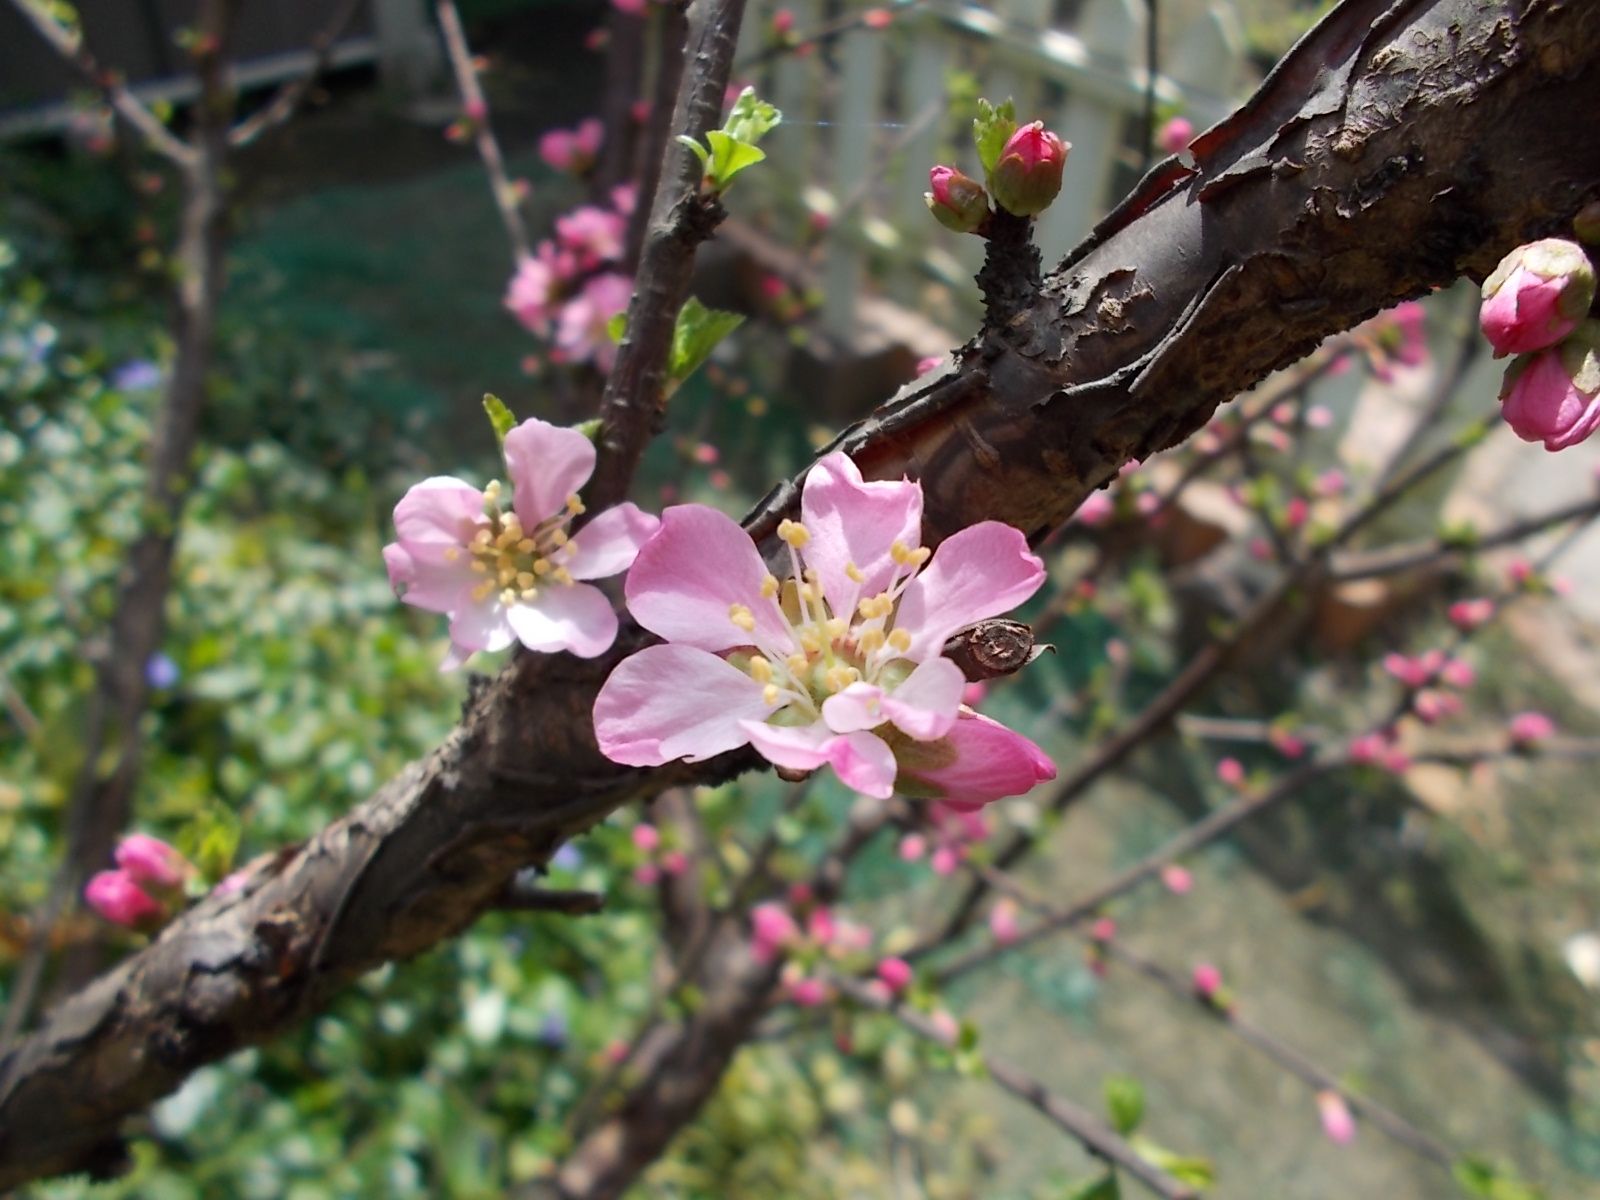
<point>742,617</point>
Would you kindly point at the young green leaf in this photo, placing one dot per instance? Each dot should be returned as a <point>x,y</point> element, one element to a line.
<point>729,156</point>
<point>991,129</point>
<point>1124,1102</point>
<point>1197,1172</point>
<point>700,151</point>
<point>751,117</point>
<point>694,337</point>
<point>499,416</point>
<point>1103,1188</point>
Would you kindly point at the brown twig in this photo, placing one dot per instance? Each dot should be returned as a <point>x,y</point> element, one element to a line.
<point>288,99</point>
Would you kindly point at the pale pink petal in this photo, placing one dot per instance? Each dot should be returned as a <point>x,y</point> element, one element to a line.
<point>547,464</point>
<point>670,702</point>
<point>925,705</point>
<point>691,572</point>
<point>455,658</point>
<point>859,706</point>
<point>480,625</point>
<point>608,543</point>
<point>441,511</point>
<point>427,579</point>
<point>982,571</point>
<point>986,761</point>
<point>862,760</point>
<point>851,521</point>
<point>575,617</point>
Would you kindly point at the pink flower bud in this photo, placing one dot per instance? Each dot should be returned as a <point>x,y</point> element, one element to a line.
<point>972,695</point>
<point>1207,981</point>
<point>895,973</point>
<point>808,992</point>
<point>1528,728</point>
<point>646,837</point>
<point>772,928</point>
<point>1103,929</point>
<point>1337,1122</point>
<point>1536,296</point>
<point>1176,135</point>
<point>1519,571</point>
<point>1288,744</point>
<point>944,861</point>
<point>647,875</point>
<point>783,22</point>
<point>1319,416</point>
<point>1231,772</point>
<point>928,362</point>
<point>476,111</point>
<point>877,18</point>
<point>1297,512</point>
<point>820,927</point>
<point>151,861</point>
<point>945,1027</point>
<point>1554,396</point>
<point>1469,614</point>
<point>912,847</point>
<point>674,862</point>
<point>117,897</point>
<point>1096,509</point>
<point>959,202</point>
<point>1003,922</point>
<point>1459,673</point>
<point>1177,880</point>
<point>1027,175</point>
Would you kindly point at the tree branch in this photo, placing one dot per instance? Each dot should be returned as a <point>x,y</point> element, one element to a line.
<point>1398,147</point>
<point>288,99</point>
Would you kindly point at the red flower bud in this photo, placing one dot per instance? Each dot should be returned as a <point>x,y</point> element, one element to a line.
<point>1028,174</point>
<point>1536,296</point>
<point>958,202</point>
<point>1554,396</point>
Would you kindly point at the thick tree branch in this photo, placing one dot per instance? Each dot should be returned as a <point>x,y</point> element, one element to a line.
<point>1397,148</point>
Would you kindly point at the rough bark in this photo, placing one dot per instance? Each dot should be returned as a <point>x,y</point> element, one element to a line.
<point>1398,147</point>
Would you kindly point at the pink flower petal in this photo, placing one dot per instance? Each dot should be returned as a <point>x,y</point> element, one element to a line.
<point>982,571</point>
<point>852,521</point>
<point>441,511</point>
<point>925,705</point>
<point>984,761</point>
<point>609,543</point>
<point>547,464</point>
<point>859,706</point>
<point>689,574</point>
<point>481,625</point>
<point>671,702</point>
<point>427,579</point>
<point>863,761</point>
<point>575,617</point>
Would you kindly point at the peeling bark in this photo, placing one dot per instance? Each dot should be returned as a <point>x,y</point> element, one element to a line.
<point>1398,147</point>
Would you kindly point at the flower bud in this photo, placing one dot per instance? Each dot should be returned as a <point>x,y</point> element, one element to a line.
<point>1176,135</point>
<point>957,201</point>
<point>1337,1123</point>
<point>149,860</point>
<point>117,897</point>
<point>1028,174</point>
<point>1536,296</point>
<point>1554,396</point>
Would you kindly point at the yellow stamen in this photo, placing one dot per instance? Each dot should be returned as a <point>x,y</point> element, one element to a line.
<point>836,627</point>
<point>483,590</point>
<point>770,694</point>
<point>853,573</point>
<point>574,505</point>
<point>559,537</point>
<point>810,643</point>
<point>900,640</point>
<point>506,575</point>
<point>524,579</point>
<point>483,537</point>
<point>871,641</point>
<point>760,669</point>
<point>527,545</point>
<point>481,567</point>
<point>451,553</point>
<point>561,575</point>
<point>530,593</point>
<point>769,587</point>
<point>541,566</point>
<point>794,533</point>
<point>508,597</point>
<point>797,663</point>
<point>742,617</point>
<point>491,490</point>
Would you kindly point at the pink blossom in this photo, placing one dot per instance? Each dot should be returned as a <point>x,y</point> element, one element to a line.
<point>928,362</point>
<point>945,1027</point>
<point>704,453</point>
<point>973,694</point>
<point>593,234</point>
<point>1096,509</point>
<point>582,329</point>
<point>1415,672</point>
<point>674,862</point>
<point>1432,706</point>
<point>1103,929</point>
<point>820,927</point>
<point>808,992</point>
<point>1337,1123</point>
<point>232,882</point>
<point>772,930</point>
<point>1529,727</point>
<point>1536,296</point>
<point>1230,771</point>
<point>647,874</point>
<point>1519,571</point>
<point>504,575</point>
<point>1554,396</point>
<point>1207,981</point>
<point>895,973</point>
<point>1176,135</point>
<point>783,22</point>
<point>646,837</point>
<point>1177,879</point>
<point>945,860</point>
<point>631,7</point>
<point>841,664</point>
<point>1319,416</point>
<point>150,861</point>
<point>573,150</point>
<point>912,847</point>
<point>1003,923</point>
<point>117,897</point>
<point>1147,504</point>
<point>1287,743</point>
<point>535,288</point>
<point>877,18</point>
<point>1469,614</point>
<point>1297,512</point>
<point>1459,674</point>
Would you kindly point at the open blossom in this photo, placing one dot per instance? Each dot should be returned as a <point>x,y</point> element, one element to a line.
<point>592,233</point>
<point>504,575</point>
<point>582,331</point>
<point>573,150</point>
<point>839,665</point>
<point>535,290</point>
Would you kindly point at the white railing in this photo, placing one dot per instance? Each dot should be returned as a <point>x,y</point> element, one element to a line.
<point>867,115</point>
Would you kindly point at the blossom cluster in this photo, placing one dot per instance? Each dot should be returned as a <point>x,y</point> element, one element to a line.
<point>1536,307</point>
<point>147,882</point>
<point>570,287</point>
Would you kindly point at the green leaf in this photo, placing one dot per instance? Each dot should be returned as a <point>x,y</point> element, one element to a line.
<point>991,130</point>
<point>1479,1177</point>
<point>751,117</point>
<point>701,152</point>
<point>1103,1188</point>
<point>729,156</point>
<point>694,337</point>
<point>1124,1102</point>
<point>616,327</point>
<point>1197,1172</point>
<point>500,417</point>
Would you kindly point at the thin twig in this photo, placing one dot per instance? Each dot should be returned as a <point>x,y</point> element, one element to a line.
<point>476,108</point>
<point>288,99</point>
<point>70,45</point>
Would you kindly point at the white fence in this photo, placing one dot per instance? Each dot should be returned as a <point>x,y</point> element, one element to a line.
<point>867,115</point>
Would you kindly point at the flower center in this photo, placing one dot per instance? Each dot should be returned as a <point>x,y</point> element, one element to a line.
<point>516,561</point>
<point>826,652</point>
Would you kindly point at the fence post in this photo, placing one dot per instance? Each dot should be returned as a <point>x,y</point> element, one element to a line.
<point>855,127</point>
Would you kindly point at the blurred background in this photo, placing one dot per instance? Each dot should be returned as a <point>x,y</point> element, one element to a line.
<point>1427,932</point>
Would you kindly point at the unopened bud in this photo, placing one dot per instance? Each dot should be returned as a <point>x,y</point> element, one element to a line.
<point>957,201</point>
<point>1028,174</point>
<point>1554,396</point>
<point>1536,296</point>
